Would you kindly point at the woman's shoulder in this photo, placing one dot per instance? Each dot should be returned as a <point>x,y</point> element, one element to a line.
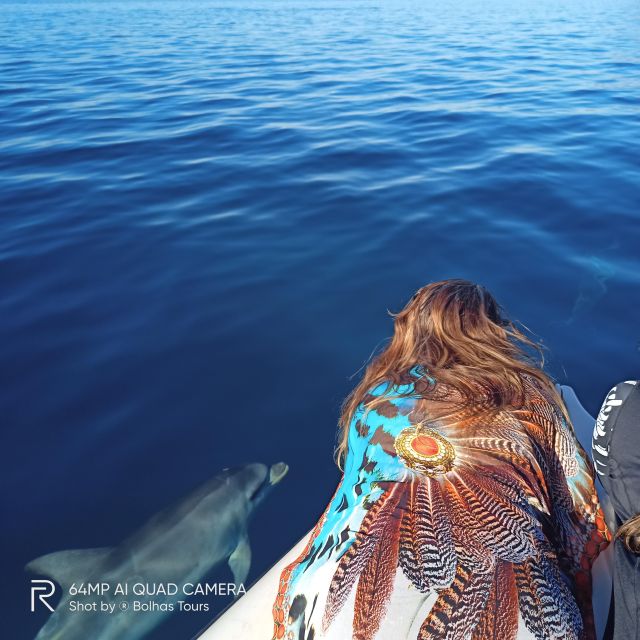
<point>389,396</point>
<point>398,380</point>
<point>417,384</point>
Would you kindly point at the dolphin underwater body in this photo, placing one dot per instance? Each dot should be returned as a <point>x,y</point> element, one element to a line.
<point>179,545</point>
<point>598,272</point>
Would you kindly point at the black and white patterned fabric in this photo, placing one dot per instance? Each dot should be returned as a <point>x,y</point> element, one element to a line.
<point>610,412</point>
<point>616,454</point>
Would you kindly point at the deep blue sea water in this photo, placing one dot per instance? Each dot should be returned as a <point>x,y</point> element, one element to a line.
<point>209,207</point>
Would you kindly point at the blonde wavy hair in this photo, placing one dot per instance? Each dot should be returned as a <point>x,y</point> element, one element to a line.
<point>629,533</point>
<point>457,331</point>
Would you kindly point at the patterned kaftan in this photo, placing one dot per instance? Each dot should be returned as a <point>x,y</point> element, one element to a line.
<point>450,524</point>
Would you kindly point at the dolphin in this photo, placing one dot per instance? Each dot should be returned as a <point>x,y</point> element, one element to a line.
<point>178,546</point>
<point>598,272</point>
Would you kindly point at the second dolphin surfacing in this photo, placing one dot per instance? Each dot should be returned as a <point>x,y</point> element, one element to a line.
<point>178,545</point>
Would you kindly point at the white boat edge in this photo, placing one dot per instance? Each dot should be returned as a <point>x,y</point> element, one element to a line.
<point>251,616</point>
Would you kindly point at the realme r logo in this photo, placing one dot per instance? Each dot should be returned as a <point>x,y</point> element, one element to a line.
<point>44,589</point>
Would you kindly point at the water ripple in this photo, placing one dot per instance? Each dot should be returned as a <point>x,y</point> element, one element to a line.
<point>195,194</point>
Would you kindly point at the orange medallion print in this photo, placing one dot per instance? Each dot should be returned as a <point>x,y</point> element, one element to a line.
<point>425,450</point>
<point>425,445</point>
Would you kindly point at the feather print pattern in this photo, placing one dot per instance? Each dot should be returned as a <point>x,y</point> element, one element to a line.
<point>427,554</point>
<point>375,583</point>
<point>375,527</point>
<point>458,608</point>
<point>450,524</point>
<point>499,620</point>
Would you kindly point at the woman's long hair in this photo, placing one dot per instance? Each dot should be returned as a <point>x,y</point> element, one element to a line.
<point>457,331</point>
<point>629,533</point>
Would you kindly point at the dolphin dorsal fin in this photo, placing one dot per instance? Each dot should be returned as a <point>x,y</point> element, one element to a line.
<point>66,567</point>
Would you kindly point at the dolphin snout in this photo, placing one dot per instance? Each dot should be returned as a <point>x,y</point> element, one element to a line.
<point>277,472</point>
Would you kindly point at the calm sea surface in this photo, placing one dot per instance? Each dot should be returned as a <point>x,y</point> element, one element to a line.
<point>208,208</point>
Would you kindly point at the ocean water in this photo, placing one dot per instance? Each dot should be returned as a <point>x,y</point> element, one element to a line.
<point>208,209</point>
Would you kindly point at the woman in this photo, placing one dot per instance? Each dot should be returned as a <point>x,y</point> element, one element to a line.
<point>616,453</point>
<point>466,507</point>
